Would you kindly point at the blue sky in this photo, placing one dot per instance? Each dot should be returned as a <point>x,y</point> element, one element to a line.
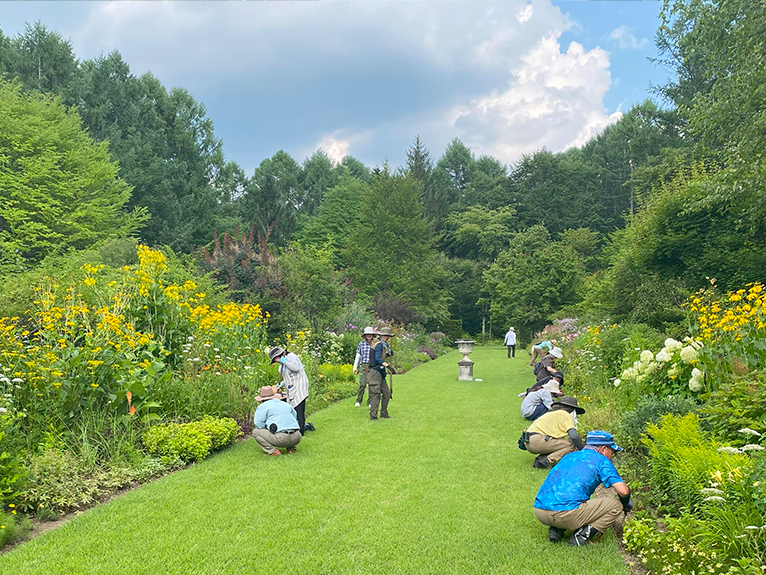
<point>366,77</point>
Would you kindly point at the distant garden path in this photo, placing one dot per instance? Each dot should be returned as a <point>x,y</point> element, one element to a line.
<point>439,488</point>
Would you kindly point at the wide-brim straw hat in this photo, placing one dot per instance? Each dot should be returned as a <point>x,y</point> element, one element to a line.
<point>570,401</point>
<point>268,392</point>
<point>275,353</point>
<point>385,331</point>
<point>369,331</point>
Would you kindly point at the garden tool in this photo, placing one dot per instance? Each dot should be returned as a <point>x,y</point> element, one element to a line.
<point>391,381</point>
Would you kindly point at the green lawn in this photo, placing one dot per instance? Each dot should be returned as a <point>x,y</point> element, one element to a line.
<point>439,488</point>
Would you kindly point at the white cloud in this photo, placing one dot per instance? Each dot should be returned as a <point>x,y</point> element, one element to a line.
<point>626,40</point>
<point>555,100</point>
<point>335,149</point>
<point>525,14</point>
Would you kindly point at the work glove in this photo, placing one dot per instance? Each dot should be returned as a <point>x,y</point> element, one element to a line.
<point>627,507</point>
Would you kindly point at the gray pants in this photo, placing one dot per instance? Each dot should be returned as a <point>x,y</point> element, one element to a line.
<point>379,393</point>
<point>270,442</point>
<point>600,512</point>
<point>362,382</point>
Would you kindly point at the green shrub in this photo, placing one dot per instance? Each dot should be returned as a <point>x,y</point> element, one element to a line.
<point>683,460</point>
<point>57,482</point>
<point>633,423</point>
<point>174,440</point>
<point>13,528</point>
<point>737,405</point>
<point>190,441</point>
<point>221,431</point>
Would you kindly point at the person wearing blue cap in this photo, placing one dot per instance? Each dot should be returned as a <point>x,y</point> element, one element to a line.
<point>564,499</point>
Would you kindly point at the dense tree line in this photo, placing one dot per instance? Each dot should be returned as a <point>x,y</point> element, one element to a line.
<point>623,227</point>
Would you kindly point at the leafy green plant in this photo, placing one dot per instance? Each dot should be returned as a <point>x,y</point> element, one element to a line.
<point>739,404</point>
<point>173,440</point>
<point>221,431</point>
<point>13,528</point>
<point>632,424</point>
<point>57,482</point>
<point>683,460</point>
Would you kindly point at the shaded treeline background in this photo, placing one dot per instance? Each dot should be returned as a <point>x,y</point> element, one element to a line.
<point>622,228</point>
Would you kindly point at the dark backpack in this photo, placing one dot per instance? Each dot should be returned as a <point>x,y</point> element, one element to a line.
<point>538,366</point>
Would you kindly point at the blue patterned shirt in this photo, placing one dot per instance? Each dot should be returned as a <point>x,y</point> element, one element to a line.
<point>574,479</point>
<point>363,349</point>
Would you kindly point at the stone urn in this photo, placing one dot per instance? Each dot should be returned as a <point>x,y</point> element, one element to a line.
<point>465,365</point>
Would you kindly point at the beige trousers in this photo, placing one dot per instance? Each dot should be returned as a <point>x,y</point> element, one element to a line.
<point>270,442</point>
<point>555,449</point>
<point>600,512</point>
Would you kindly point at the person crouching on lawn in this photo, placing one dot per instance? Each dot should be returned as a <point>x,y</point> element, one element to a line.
<point>554,434</point>
<point>276,423</point>
<point>564,503</point>
<point>538,399</point>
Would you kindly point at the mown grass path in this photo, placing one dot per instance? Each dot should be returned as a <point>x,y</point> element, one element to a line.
<point>439,488</point>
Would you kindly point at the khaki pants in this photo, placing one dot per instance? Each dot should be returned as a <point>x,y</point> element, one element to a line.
<point>379,393</point>
<point>555,449</point>
<point>362,382</point>
<point>600,512</point>
<point>270,442</point>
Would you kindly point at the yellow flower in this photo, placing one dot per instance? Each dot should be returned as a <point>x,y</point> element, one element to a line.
<point>94,385</point>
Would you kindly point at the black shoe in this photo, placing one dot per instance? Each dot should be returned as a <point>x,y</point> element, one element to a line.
<point>309,427</point>
<point>584,535</point>
<point>555,534</point>
<point>373,417</point>
<point>541,462</point>
<point>386,416</point>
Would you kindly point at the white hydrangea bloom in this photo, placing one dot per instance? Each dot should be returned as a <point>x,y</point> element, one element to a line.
<point>688,354</point>
<point>646,356</point>
<point>663,355</point>
<point>672,344</point>
<point>617,382</point>
<point>695,385</point>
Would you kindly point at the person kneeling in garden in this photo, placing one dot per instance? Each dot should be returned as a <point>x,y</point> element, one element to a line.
<point>276,423</point>
<point>563,501</point>
<point>538,399</point>
<point>554,434</point>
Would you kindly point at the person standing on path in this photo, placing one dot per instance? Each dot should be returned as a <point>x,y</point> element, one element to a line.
<point>294,381</point>
<point>276,423</point>
<point>510,341</point>
<point>554,434</point>
<point>563,501</point>
<point>362,360</point>
<point>380,394</point>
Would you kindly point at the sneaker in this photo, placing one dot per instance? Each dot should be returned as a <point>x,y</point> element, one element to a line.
<point>373,417</point>
<point>357,404</point>
<point>585,535</point>
<point>386,416</point>
<point>541,462</point>
<point>309,427</point>
<point>555,534</point>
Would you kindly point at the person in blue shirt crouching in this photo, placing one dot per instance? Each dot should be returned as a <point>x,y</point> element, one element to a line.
<point>276,423</point>
<point>563,501</point>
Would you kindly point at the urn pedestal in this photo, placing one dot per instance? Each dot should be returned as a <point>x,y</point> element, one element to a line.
<point>465,365</point>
